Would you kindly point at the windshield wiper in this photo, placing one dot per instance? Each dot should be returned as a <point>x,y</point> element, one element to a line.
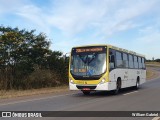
<point>93,57</point>
<point>86,60</point>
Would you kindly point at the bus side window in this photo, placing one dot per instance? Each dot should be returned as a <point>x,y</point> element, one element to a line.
<point>140,62</point>
<point>119,61</point>
<point>131,61</point>
<point>111,59</point>
<point>143,63</point>
<point>136,62</point>
<point>125,60</point>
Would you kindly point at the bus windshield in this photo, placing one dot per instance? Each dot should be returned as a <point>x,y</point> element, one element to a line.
<point>88,64</point>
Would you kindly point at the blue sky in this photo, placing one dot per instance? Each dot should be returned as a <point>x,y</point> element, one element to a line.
<point>130,24</point>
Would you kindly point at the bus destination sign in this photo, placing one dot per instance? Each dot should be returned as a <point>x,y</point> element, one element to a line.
<point>90,49</point>
<point>80,50</point>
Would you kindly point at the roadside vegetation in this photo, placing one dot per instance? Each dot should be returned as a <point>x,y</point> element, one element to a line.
<point>150,74</point>
<point>28,66</point>
<point>152,63</point>
<point>27,62</point>
<point>30,92</point>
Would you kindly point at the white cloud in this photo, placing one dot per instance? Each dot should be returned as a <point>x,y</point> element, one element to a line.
<point>108,17</point>
<point>152,29</point>
<point>9,6</point>
<point>35,16</point>
<point>73,17</point>
<point>150,39</point>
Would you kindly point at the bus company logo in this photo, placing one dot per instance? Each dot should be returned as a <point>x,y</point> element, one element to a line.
<point>6,114</point>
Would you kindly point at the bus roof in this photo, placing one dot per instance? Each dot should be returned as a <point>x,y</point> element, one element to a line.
<point>113,47</point>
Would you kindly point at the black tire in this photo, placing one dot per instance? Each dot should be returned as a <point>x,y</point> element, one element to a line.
<point>86,92</point>
<point>137,84</point>
<point>118,87</point>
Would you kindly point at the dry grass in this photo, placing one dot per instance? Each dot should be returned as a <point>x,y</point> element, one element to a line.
<point>19,93</point>
<point>150,74</point>
<point>154,64</point>
<point>157,63</point>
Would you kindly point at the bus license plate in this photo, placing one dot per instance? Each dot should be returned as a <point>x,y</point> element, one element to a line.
<point>86,88</point>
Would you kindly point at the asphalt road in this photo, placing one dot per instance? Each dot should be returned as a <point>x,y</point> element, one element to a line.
<point>147,98</point>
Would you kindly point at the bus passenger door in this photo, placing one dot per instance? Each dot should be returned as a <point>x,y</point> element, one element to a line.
<point>112,76</point>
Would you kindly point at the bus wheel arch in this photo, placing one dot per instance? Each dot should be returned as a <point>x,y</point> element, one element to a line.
<point>118,86</point>
<point>137,83</point>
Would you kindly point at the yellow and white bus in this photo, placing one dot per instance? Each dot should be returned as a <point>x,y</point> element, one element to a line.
<point>105,68</point>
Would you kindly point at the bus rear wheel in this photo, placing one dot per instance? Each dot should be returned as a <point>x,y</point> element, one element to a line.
<point>86,92</point>
<point>137,84</point>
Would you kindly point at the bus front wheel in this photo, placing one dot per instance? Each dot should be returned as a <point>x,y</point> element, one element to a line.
<point>118,87</point>
<point>86,92</point>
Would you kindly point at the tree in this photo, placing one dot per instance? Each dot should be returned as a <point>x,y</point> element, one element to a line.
<point>20,50</point>
<point>27,62</point>
<point>57,63</point>
<point>157,60</point>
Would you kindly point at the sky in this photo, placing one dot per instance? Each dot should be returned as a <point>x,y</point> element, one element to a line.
<point>129,24</point>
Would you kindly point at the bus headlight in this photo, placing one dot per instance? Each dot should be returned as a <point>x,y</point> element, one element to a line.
<point>102,81</point>
<point>71,81</point>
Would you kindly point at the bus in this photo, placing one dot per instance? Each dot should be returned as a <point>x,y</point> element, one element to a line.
<point>105,68</point>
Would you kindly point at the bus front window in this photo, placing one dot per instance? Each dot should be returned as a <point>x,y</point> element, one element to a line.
<point>93,64</point>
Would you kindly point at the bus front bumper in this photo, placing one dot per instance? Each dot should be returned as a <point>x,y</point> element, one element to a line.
<point>105,86</point>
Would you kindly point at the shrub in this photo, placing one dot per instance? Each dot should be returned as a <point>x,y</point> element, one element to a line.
<point>41,78</point>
